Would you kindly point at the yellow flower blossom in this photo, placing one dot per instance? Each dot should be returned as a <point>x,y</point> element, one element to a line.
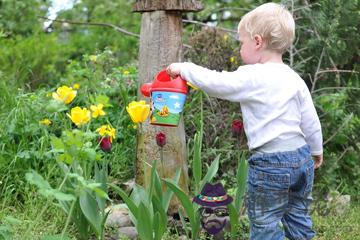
<point>126,72</point>
<point>138,111</point>
<point>93,58</point>
<point>232,59</point>
<point>226,37</point>
<point>64,94</point>
<point>76,86</point>
<point>97,110</point>
<point>79,116</point>
<point>45,121</point>
<point>107,130</point>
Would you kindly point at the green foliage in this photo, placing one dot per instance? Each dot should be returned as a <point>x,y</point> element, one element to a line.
<point>21,17</point>
<point>33,64</point>
<point>148,206</point>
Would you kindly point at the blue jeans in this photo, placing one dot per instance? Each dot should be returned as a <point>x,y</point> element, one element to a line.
<point>279,190</point>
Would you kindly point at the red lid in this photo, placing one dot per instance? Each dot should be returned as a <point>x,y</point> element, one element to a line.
<point>163,82</point>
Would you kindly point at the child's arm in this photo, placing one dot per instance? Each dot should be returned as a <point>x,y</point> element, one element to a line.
<point>225,85</point>
<point>311,127</point>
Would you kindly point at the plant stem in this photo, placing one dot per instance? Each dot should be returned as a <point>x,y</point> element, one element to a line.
<point>162,162</point>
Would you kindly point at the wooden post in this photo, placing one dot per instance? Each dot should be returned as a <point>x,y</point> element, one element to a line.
<point>160,45</point>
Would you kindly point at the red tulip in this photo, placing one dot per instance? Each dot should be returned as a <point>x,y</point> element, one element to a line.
<point>160,139</point>
<point>237,127</point>
<point>105,143</point>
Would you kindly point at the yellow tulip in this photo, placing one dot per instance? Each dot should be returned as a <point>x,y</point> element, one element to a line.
<point>97,110</point>
<point>107,130</point>
<point>79,116</point>
<point>45,121</point>
<point>138,111</point>
<point>64,94</point>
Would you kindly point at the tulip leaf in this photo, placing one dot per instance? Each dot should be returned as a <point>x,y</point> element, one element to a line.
<point>160,218</point>
<point>128,201</point>
<point>197,164</point>
<point>168,194</point>
<point>90,209</point>
<point>241,177</point>
<point>144,223</point>
<point>182,219</point>
<point>157,227</point>
<point>152,182</point>
<point>157,186</point>
<point>234,219</point>
<point>188,206</point>
<point>214,167</point>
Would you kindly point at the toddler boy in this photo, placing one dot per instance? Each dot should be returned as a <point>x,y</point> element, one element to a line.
<point>280,122</point>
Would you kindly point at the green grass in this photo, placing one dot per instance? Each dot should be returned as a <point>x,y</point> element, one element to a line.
<point>338,227</point>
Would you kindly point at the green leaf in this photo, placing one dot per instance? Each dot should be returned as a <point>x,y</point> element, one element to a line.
<point>157,230</point>
<point>160,218</point>
<point>152,182</point>
<point>55,106</point>
<point>45,189</point>
<point>241,177</point>
<point>65,158</point>
<point>157,186</point>
<point>101,177</point>
<point>197,164</point>
<point>36,179</point>
<point>168,194</point>
<point>60,196</point>
<point>214,167</point>
<point>188,206</point>
<point>55,237</point>
<point>234,219</point>
<point>90,209</point>
<point>129,202</point>
<point>144,223</point>
<point>182,219</point>
<point>90,154</point>
<point>103,99</point>
<point>57,143</point>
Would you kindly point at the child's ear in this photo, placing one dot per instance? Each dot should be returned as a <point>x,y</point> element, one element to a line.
<point>258,41</point>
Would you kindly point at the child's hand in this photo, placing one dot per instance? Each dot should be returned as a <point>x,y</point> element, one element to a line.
<point>174,69</point>
<point>318,160</point>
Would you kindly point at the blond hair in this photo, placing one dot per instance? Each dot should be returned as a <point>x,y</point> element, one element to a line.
<point>273,22</point>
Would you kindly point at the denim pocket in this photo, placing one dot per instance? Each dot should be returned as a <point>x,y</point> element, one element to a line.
<point>264,180</point>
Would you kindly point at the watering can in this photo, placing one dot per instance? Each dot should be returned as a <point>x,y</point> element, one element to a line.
<point>168,97</point>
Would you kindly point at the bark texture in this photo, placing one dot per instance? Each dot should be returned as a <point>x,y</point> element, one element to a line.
<point>179,5</point>
<point>160,45</point>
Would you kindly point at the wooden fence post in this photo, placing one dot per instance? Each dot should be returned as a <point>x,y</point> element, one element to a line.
<point>160,45</point>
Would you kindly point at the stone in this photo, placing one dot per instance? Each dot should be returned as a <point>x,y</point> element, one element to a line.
<point>118,216</point>
<point>129,232</point>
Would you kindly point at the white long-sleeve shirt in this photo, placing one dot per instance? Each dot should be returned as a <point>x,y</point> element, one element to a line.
<point>275,102</point>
